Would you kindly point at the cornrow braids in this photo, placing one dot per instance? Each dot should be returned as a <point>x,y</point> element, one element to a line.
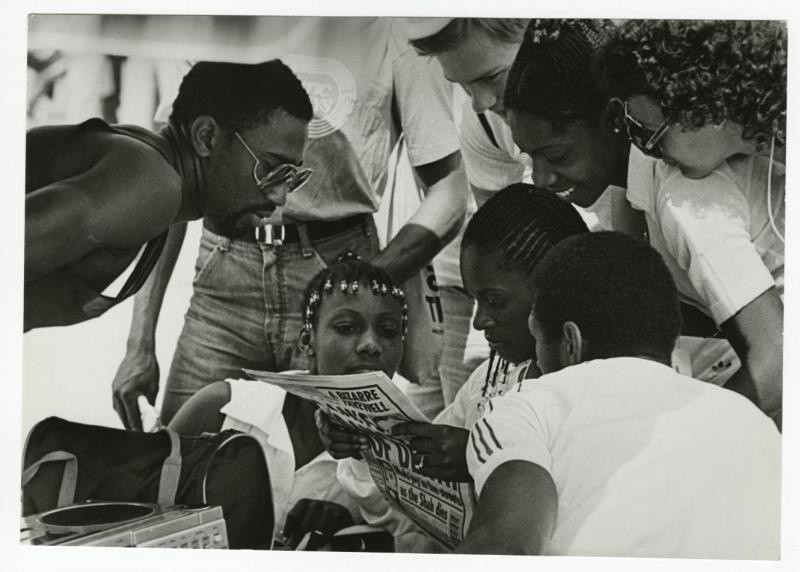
<point>520,224</point>
<point>350,275</point>
<point>552,74</point>
<point>702,72</point>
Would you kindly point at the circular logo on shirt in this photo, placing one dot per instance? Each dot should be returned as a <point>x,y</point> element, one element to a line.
<point>331,88</point>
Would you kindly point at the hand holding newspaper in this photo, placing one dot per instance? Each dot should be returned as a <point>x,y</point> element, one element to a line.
<point>371,404</point>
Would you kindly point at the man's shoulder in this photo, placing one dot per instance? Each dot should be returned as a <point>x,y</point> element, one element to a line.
<point>146,159</point>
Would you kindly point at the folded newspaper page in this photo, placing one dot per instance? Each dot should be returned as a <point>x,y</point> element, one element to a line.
<point>371,404</point>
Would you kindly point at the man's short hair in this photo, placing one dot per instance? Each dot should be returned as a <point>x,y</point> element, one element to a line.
<point>239,96</point>
<point>617,289</point>
<point>506,30</point>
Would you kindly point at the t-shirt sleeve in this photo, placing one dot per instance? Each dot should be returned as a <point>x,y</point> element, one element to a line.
<point>706,227</point>
<point>423,99</point>
<point>511,430</point>
<point>488,167</point>
<point>457,414</point>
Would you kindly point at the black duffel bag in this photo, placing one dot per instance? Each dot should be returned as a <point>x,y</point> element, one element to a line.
<point>65,462</point>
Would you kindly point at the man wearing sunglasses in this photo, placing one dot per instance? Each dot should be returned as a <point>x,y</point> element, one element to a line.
<point>100,198</point>
<point>368,87</point>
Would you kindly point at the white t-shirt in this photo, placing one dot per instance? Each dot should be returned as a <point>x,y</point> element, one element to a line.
<point>489,167</point>
<point>714,233</point>
<point>355,478</point>
<point>490,379</point>
<point>256,408</point>
<point>646,462</point>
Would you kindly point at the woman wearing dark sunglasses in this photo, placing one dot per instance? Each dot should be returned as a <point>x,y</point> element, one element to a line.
<point>699,92</point>
<point>720,236</point>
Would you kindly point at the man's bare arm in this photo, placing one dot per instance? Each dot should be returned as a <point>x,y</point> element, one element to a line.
<point>99,208</point>
<point>516,512</point>
<point>139,372</point>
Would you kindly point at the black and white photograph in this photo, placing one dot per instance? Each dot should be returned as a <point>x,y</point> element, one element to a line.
<point>406,285</point>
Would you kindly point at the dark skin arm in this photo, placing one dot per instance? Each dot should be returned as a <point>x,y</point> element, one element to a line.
<point>436,222</point>
<point>756,334</point>
<point>516,512</point>
<point>99,209</point>
<point>200,414</point>
<point>138,374</point>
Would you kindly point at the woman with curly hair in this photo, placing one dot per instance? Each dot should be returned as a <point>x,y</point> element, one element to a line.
<point>698,92</point>
<point>721,236</point>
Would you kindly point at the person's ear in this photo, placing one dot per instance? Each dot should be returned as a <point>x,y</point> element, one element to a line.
<point>204,134</point>
<point>306,341</point>
<point>573,345</point>
<point>307,344</point>
<point>613,116</point>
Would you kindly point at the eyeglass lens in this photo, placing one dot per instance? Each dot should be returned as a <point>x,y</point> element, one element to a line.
<point>644,139</point>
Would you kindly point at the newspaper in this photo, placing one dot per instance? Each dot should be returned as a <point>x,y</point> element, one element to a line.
<point>371,404</point>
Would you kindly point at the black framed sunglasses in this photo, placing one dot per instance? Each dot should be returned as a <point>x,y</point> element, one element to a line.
<point>292,176</point>
<point>646,140</point>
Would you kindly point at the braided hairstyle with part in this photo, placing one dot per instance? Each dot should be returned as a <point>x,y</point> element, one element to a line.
<point>350,275</point>
<point>518,226</point>
<point>552,74</point>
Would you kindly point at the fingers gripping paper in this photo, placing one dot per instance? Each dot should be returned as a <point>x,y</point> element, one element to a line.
<point>371,404</point>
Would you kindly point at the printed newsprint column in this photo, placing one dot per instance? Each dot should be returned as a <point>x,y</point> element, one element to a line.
<point>371,404</point>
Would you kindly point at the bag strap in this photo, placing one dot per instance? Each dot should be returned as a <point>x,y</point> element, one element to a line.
<point>170,472</point>
<point>392,189</point>
<point>487,129</point>
<point>69,481</point>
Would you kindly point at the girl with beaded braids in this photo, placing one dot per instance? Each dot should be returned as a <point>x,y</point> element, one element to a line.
<point>502,244</point>
<point>698,92</point>
<point>721,236</point>
<point>355,320</point>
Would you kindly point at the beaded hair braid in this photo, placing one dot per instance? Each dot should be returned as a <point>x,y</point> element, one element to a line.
<point>497,367</point>
<point>347,275</point>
